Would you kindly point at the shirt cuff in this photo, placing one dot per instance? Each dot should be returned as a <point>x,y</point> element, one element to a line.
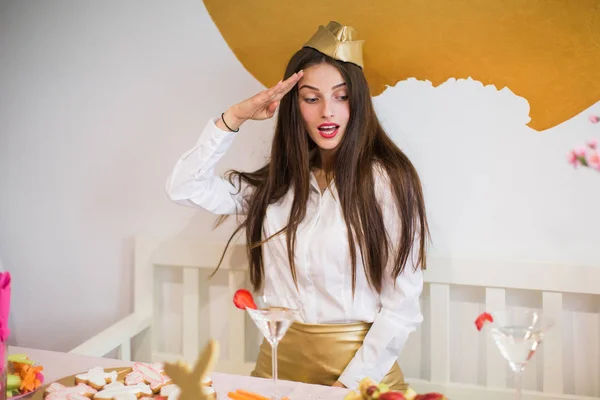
<point>353,374</point>
<point>212,132</point>
<point>359,368</point>
<point>211,145</point>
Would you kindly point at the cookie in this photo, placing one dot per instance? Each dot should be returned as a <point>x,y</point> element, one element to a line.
<point>207,388</point>
<point>171,392</point>
<point>119,391</point>
<point>209,392</point>
<point>206,381</point>
<point>150,374</point>
<point>96,377</point>
<point>56,391</point>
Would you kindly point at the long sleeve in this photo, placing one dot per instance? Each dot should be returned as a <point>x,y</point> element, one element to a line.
<point>193,182</point>
<point>400,312</point>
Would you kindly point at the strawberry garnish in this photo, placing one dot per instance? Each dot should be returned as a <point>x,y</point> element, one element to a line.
<point>243,299</point>
<point>482,319</point>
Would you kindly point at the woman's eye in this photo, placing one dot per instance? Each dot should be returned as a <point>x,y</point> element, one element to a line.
<point>311,100</point>
<point>343,98</point>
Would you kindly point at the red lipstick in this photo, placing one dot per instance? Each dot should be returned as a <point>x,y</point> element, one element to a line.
<point>328,130</point>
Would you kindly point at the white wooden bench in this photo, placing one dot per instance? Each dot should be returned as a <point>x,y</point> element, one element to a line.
<point>447,354</point>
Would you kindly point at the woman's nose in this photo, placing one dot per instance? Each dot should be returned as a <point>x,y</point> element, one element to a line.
<point>327,111</point>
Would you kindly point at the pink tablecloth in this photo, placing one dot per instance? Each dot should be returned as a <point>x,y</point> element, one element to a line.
<point>58,365</point>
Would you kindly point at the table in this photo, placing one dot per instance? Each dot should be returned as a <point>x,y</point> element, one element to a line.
<point>58,365</point>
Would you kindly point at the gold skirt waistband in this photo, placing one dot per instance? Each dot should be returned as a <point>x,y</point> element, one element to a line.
<point>319,353</point>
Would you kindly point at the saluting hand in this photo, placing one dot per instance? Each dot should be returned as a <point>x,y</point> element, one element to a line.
<point>261,106</point>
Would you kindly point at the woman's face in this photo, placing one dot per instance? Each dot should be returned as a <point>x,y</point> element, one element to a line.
<point>323,99</point>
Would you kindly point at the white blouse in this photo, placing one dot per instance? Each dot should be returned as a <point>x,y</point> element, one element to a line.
<point>322,256</point>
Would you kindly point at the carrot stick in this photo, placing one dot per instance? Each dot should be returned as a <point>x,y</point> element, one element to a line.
<point>254,396</point>
<point>238,396</point>
<point>29,381</point>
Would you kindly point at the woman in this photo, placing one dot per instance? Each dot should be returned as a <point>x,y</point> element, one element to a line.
<point>336,217</point>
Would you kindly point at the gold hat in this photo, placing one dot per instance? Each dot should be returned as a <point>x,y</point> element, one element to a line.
<point>338,42</point>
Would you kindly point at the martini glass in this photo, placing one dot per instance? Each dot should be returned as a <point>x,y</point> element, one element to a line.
<point>273,317</point>
<point>518,333</point>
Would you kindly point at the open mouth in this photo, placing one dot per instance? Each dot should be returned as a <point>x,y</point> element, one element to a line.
<point>328,130</point>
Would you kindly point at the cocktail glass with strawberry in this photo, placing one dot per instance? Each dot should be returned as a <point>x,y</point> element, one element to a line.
<point>273,315</point>
<point>517,333</point>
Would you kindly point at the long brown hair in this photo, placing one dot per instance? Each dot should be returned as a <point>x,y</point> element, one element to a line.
<point>364,146</point>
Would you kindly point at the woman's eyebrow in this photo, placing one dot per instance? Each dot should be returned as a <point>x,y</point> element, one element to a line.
<point>316,89</point>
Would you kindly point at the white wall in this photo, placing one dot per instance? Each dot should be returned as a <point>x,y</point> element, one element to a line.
<point>97,101</point>
<point>495,188</point>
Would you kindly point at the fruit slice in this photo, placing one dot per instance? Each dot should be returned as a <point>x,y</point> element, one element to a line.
<point>366,387</point>
<point>20,358</point>
<point>13,381</point>
<point>482,319</point>
<point>353,396</point>
<point>243,299</point>
<point>392,396</point>
<point>410,394</point>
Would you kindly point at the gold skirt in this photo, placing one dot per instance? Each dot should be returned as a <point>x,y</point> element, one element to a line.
<point>319,353</point>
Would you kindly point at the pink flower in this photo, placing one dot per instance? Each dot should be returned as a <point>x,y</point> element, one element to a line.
<point>593,159</point>
<point>586,156</point>
<point>580,151</point>
<point>594,119</point>
<point>572,158</point>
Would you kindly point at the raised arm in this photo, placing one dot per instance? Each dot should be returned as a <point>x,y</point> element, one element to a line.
<point>193,181</point>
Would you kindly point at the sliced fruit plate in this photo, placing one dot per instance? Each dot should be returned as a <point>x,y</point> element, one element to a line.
<point>370,390</point>
<point>24,376</point>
